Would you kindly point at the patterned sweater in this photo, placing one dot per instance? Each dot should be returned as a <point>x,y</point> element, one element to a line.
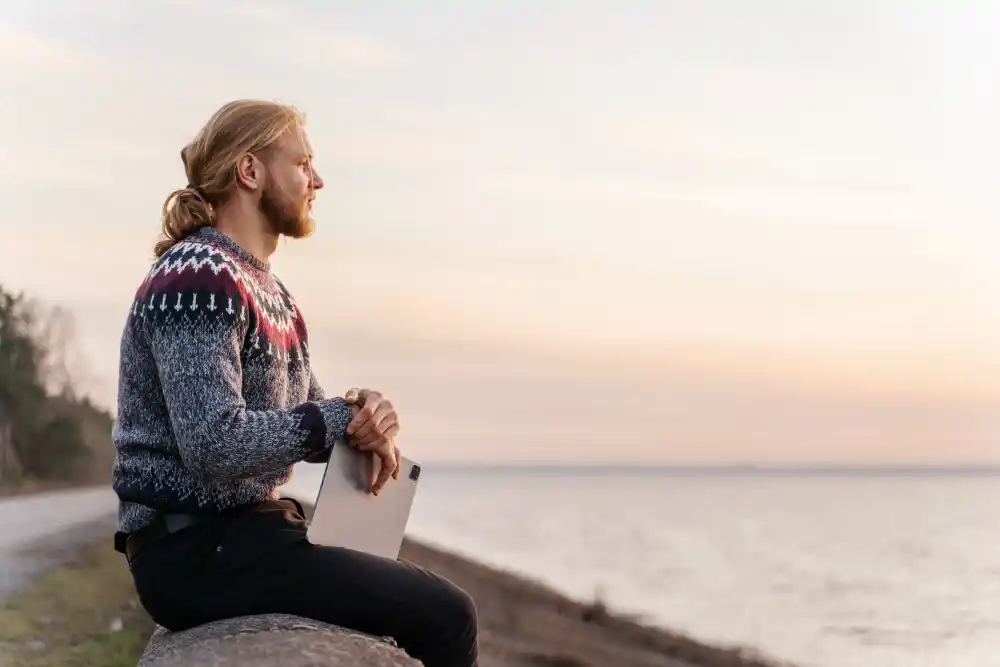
<point>216,399</point>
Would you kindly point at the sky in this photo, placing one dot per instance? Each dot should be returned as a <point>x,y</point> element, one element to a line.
<point>666,232</point>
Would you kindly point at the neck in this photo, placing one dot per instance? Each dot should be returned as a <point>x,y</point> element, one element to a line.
<point>248,228</point>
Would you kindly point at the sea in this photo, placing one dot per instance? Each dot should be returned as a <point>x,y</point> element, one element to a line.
<point>816,568</point>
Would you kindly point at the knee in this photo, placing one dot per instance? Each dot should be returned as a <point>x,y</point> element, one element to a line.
<point>457,611</point>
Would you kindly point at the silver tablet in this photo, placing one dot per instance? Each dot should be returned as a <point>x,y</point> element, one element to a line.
<point>348,515</point>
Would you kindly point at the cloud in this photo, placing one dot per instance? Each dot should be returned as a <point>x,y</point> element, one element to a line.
<point>24,54</point>
<point>713,152</point>
<point>98,163</point>
<point>296,38</point>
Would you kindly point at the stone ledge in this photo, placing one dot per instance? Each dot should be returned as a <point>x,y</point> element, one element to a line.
<point>268,640</point>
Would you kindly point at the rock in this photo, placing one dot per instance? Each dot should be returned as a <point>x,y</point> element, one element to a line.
<point>269,640</point>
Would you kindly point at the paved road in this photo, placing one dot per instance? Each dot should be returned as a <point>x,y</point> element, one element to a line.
<point>39,531</point>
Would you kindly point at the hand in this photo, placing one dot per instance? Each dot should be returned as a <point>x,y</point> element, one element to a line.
<point>375,420</point>
<point>374,428</point>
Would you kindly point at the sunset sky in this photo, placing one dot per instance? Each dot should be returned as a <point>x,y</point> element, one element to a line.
<point>679,231</point>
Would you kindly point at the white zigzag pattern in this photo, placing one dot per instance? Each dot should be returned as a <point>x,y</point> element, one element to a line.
<point>271,304</point>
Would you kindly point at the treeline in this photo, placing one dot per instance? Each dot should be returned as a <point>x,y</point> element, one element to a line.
<point>48,432</point>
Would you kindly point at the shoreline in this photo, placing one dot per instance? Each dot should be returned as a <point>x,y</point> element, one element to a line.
<point>525,621</point>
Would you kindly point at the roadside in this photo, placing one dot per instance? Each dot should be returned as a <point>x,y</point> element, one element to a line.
<point>40,531</point>
<point>83,614</point>
<point>66,597</point>
<point>28,487</point>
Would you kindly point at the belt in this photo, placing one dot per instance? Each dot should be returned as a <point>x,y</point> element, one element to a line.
<point>131,544</point>
<point>166,524</point>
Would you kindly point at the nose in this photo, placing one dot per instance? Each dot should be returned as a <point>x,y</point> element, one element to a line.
<point>317,181</point>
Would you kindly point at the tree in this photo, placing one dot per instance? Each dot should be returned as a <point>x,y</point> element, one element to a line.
<point>21,394</point>
<point>46,431</point>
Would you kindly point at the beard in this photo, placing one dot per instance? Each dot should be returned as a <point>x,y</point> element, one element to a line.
<point>286,216</point>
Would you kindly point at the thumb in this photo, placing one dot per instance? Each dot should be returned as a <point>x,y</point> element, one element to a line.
<point>352,395</point>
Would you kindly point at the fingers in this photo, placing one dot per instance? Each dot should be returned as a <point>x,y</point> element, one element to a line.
<point>369,401</point>
<point>388,458</point>
<point>377,424</point>
<point>377,440</point>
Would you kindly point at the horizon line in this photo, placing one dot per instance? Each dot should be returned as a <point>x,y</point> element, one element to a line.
<point>745,468</point>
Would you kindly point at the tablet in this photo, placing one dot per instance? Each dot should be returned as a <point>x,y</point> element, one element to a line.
<point>348,515</point>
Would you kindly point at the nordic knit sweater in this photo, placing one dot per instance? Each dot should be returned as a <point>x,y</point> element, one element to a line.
<point>216,398</point>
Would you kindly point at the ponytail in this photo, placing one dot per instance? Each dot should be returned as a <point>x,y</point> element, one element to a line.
<point>185,211</point>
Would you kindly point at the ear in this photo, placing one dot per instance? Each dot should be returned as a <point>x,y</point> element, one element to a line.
<point>249,172</point>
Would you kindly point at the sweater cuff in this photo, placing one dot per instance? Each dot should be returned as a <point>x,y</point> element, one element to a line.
<point>337,415</point>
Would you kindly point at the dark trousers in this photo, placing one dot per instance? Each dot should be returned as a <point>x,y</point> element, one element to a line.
<point>259,561</point>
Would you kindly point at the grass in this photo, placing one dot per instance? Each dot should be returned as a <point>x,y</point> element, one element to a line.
<point>85,614</point>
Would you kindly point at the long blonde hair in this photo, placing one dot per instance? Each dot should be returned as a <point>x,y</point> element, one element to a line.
<point>236,129</point>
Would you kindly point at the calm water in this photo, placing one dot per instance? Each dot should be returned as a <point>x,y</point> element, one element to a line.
<point>823,571</point>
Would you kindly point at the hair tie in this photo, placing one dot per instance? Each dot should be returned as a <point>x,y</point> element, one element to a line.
<point>198,191</point>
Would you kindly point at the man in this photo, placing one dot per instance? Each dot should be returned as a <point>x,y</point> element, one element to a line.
<point>217,401</point>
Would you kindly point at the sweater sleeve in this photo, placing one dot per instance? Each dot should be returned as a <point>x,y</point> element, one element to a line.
<point>196,337</point>
<point>316,392</point>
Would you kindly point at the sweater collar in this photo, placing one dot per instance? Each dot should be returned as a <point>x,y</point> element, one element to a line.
<point>218,238</point>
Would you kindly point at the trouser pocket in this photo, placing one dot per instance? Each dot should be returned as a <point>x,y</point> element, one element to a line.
<point>174,577</point>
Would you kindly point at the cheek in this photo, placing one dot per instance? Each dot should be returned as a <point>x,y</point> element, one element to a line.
<point>303,187</point>
<point>295,184</point>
